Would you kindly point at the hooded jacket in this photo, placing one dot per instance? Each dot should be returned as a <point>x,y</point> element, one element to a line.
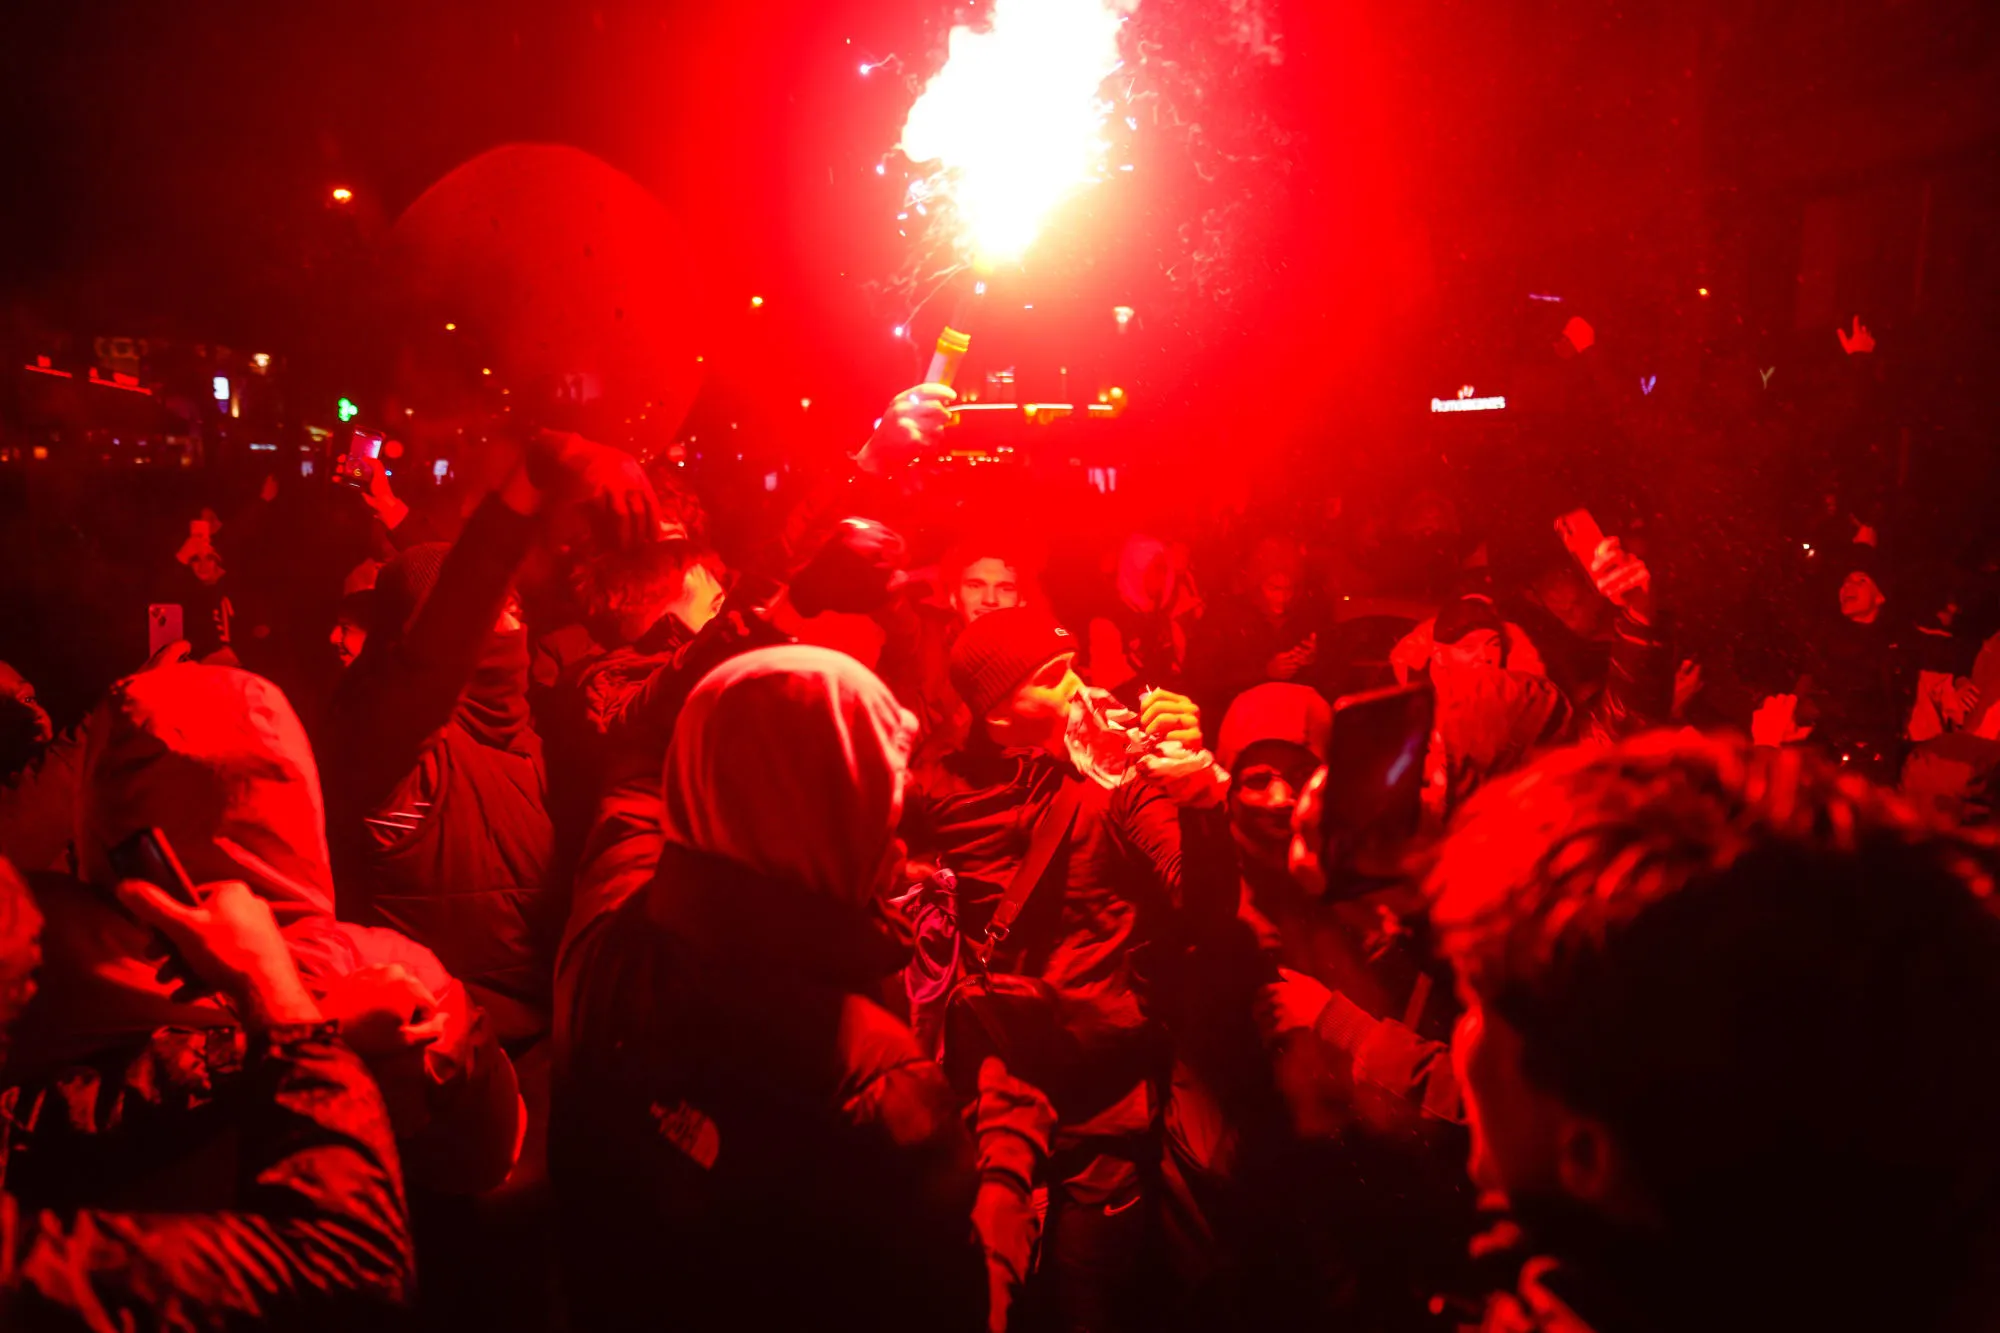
<point>735,1120</point>
<point>215,758</point>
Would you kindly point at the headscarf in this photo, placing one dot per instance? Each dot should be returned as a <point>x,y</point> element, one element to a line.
<point>791,761</point>
<point>1138,556</point>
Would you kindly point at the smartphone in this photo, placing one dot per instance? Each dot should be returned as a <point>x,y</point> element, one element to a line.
<point>1373,799</point>
<point>148,856</point>
<point>1580,533</point>
<point>351,470</point>
<point>163,625</point>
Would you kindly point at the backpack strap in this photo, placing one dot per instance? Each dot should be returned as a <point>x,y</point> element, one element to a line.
<point>1049,833</point>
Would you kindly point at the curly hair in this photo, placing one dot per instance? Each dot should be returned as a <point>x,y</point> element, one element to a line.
<point>1776,984</point>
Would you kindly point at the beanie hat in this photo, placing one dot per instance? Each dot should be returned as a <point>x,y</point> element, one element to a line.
<point>997,652</point>
<point>1274,711</point>
<point>404,583</point>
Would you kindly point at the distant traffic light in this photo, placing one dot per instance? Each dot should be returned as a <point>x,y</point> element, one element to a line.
<point>348,410</point>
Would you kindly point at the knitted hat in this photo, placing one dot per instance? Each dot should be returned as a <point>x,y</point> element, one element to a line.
<point>997,652</point>
<point>404,583</point>
<point>1274,711</point>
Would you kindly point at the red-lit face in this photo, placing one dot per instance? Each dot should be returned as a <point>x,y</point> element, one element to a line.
<point>1861,598</point>
<point>1569,601</point>
<point>988,584</point>
<point>347,639</point>
<point>1263,797</point>
<point>1512,1123</point>
<point>16,687</point>
<point>1482,648</point>
<point>1528,1146</point>
<point>1038,711</point>
<point>1276,593</point>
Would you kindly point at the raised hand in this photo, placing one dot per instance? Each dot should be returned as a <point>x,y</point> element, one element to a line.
<point>382,1010</point>
<point>1623,579</point>
<point>380,497</point>
<point>1776,722</point>
<point>910,424</point>
<point>1687,684</point>
<point>1292,1002</point>
<point>569,469</point>
<point>1859,342</point>
<point>855,571</point>
<point>170,654</point>
<point>1170,717</point>
<point>229,940</point>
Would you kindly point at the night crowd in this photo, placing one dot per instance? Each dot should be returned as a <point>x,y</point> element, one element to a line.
<point>941,933</point>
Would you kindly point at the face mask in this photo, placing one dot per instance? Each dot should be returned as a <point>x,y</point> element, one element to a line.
<point>1103,738</point>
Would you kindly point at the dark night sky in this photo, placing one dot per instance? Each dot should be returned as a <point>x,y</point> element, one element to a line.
<point>167,165</point>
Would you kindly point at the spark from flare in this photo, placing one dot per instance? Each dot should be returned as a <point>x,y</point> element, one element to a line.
<point>1014,120</point>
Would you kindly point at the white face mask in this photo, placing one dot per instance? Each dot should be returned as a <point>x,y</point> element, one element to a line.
<point>1103,737</point>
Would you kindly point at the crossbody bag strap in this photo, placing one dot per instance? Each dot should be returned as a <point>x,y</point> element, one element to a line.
<point>1049,834</point>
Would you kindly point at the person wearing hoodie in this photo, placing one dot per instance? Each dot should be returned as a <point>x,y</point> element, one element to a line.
<point>739,1127</point>
<point>436,796</point>
<point>309,1232</point>
<point>215,759</point>
<point>38,800</point>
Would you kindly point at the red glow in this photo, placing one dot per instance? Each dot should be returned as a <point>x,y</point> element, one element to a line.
<point>42,367</point>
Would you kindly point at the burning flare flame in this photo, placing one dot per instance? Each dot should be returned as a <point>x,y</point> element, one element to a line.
<point>1015,118</point>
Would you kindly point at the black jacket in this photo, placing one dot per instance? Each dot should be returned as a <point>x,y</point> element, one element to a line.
<point>436,804</point>
<point>313,1233</point>
<point>740,1137</point>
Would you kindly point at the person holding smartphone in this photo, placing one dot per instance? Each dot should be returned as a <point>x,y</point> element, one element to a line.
<point>319,1233</point>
